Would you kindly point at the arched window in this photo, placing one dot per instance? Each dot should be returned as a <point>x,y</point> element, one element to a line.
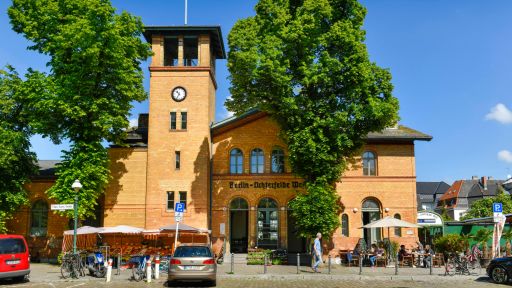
<point>277,160</point>
<point>39,225</point>
<point>344,225</point>
<point>236,161</point>
<point>238,204</point>
<point>369,164</point>
<point>398,230</point>
<point>257,161</point>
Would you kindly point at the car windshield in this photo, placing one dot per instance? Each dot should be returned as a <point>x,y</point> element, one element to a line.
<point>192,251</point>
<point>11,246</point>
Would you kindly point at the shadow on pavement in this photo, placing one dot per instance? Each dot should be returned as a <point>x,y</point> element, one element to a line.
<point>187,284</point>
<point>12,281</point>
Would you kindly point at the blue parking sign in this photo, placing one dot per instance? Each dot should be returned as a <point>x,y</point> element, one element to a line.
<point>180,207</point>
<point>497,207</point>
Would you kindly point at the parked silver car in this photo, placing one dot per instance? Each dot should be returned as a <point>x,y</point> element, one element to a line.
<point>193,263</point>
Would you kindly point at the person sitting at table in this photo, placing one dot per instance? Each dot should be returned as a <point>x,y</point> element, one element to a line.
<point>353,252</point>
<point>428,253</point>
<point>375,252</point>
<point>402,252</point>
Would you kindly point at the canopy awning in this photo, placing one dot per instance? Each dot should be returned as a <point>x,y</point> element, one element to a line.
<point>84,230</point>
<point>121,229</point>
<point>184,227</point>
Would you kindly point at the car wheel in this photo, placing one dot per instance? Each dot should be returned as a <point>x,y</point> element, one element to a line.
<point>212,283</point>
<point>499,275</point>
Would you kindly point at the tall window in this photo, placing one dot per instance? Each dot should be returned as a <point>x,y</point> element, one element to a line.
<point>277,160</point>
<point>183,198</point>
<point>236,161</point>
<point>177,156</point>
<point>183,120</point>
<point>170,200</point>
<point>257,161</point>
<point>398,230</point>
<point>369,164</point>
<point>344,225</point>
<point>190,51</point>
<point>173,120</point>
<point>39,225</point>
<point>268,223</point>
<point>171,51</point>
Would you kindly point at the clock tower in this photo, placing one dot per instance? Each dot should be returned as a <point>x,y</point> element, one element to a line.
<point>181,112</point>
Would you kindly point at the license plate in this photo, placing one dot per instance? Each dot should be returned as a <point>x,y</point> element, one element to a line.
<point>189,267</point>
<point>12,262</point>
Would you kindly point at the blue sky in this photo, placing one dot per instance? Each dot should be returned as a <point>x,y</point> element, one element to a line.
<point>450,62</point>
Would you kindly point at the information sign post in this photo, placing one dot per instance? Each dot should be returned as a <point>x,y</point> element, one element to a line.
<point>178,215</point>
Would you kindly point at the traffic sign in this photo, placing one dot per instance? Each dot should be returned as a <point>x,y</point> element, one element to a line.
<point>497,207</point>
<point>178,216</point>
<point>62,207</point>
<point>180,207</point>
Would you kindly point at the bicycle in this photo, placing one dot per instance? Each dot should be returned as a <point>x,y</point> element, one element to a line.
<point>139,268</point>
<point>72,266</point>
<point>164,264</point>
<point>456,264</point>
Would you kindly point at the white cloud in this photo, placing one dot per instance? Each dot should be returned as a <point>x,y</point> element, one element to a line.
<point>505,155</point>
<point>134,122</point>
<point>500,113</point>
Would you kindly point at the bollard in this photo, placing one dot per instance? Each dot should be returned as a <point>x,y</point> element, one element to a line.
<point>431,261</point>
<point>232,263</point>
<point>329,264</point>
<point>360,264</point>
<point>157,266</point>
<point>118,264</point>
<point>148,271</point>
<point>298,263</point>
<point>396,264</point>
<point>265,265</point>
<point>109,270</point>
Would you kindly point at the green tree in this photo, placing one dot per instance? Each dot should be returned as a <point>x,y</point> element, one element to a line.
<point>17,162</point>
<point>94,60</point>
<point>483,207</point>
<point>305,63</point>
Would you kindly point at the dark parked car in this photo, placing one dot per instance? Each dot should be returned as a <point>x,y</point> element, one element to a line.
<point>500,270</point>
<point>14,257</point>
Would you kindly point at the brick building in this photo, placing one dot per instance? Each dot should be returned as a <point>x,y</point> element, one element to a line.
<point>233,175</point>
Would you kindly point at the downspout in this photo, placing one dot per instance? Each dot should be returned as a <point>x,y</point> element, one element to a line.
<point>211,180</point>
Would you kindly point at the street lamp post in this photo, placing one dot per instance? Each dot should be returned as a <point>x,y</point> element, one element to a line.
<point>76,186</point>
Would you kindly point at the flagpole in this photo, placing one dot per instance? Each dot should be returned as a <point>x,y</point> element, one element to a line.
<point>186,11</point>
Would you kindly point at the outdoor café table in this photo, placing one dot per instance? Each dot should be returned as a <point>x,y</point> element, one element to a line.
<point>418,258</point>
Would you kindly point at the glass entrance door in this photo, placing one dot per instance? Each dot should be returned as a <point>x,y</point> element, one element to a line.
<point>268,224</point>
<point>371,212</point>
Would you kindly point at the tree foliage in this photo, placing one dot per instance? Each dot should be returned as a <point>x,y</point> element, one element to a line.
<point>451,243</point>
<point>305,63</point>
<point>17,162</point>
<point>94,60</point>
<point>483,207</point>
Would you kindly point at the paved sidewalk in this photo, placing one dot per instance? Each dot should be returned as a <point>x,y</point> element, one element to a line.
<point>51,273</point>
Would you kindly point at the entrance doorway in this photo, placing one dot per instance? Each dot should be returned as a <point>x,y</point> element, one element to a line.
<point>371,212</point>
<point>238,219</point>
<point>296,244</point>
<point>268,224</point>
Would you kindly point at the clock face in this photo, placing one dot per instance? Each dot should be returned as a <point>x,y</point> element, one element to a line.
<point>179,94</point>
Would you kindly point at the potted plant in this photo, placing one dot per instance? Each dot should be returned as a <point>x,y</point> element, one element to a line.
<point>507,235</point>
<point>483,236</point>
<point>450,243</point>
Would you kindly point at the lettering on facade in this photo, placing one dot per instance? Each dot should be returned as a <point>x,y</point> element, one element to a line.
<point>265,185</point>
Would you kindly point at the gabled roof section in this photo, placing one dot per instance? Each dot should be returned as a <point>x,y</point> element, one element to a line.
<point>217,42</point>
<point>431,188</point>
<point>400,133</point>
<point>46,169</point>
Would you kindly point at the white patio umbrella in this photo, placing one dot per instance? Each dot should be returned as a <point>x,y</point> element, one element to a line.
<point>390,222</point>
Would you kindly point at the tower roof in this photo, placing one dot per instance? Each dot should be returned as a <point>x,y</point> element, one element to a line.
<point>217,42</point>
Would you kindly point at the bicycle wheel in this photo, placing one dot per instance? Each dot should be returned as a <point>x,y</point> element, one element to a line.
<point>449,267</point>
<point>137,273</point>
<point>67,270</point>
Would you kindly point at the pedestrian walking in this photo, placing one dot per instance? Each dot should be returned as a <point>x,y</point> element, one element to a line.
<point>317,252</point>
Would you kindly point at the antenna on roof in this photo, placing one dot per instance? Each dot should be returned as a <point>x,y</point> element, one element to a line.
<point>186,11</point>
